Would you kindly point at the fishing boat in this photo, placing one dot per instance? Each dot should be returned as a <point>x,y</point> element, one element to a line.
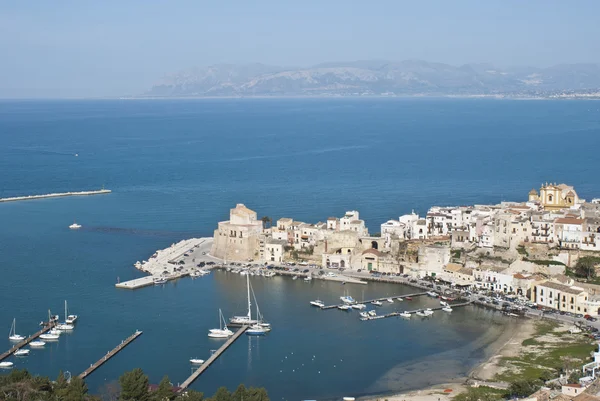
<point>222,331</point>
<point>196,361</point>
<point>6,365</point>
<point>21,352</point>
<point>359,306</point>
<point>390,300</point>
<point>372,313</point>
<point>74,226</point>
<point>377,303</point>
<point>364,314</point>
<point>447,309</point>
<point>12,335</point>
<point>37,343</point>
<point>344,307</point>
<point>247,319</point>
<point>405,315</point>
<point>318,303</point>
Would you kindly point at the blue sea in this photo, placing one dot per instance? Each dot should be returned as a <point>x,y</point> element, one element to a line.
<point>176,167</point>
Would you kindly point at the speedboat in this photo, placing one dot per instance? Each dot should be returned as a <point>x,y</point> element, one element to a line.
<point>37,343</point>
<point>256,330</point>
<point>6,365</point>
<point>318,303</point>
<point>447,309</point>
<point>196,361</point>
<point>364,314</point>
<point>49,337</point>
<point>12,335</point>
<point>443,303</point>
<point>405,315</point>
<point>344,307</point>
<point>372,313</point>
<point>377,303</point>
<point>21,352</point>
<point>159,280</point>
<point>71,319</point>
<point>347,299</point>
<point>359,306</point>
<point>390,300</point>
<point>74,226</point>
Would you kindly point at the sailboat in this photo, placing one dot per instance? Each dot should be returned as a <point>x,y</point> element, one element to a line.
<point>70,319</point>
<point>65,326</point>
<point>221,332</point>
<point>12,335</point>
<point>243,320</point>
<point>261,328</point>
<point>52,334</point>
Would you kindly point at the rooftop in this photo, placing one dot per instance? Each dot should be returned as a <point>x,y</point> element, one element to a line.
<point>561,287</point>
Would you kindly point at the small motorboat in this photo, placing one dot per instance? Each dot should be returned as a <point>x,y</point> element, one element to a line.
<point>6,365</point>
<point>443,303</point>
<point>347,299</point>
<point>55,332</point>
<point>432,294</point>
<point>196,361</point>
<point>344,307</point>
<point>295,278</point>
<point>364,314</point>
<point>377,303</point>
<point>71,319</point>
<point>359,306</point>
<point>21,352</point>
<point>428,312</point>
<point>74,226</point>
<point>422,313</point>
<point>159,280</point>
<point>447,309</point>
<point>37,343</point>
<point>405,315</point>
<point>408,298</point>
<point>308,278</point>
<point>318,303</point>
<point>64,327</point>
<point>372,313</point>
<point>399,299</point>
<point>49,337</point>
<point>390,300</point>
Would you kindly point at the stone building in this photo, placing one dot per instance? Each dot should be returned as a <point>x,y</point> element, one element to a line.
<point>239,237</point>
<point>555,197</point>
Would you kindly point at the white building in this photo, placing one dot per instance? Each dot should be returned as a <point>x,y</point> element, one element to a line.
<point>274,250</point>
<point>569,232</point>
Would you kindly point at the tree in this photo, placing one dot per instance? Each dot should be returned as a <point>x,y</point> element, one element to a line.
<point>267,221</point>
<point>257,394</point>
<point>75,391</point>
<point>222,394</point>
<point>164,391</point>
<point>190,395</point>
<point>110,391</point>
<point>523,388</point>
<point>240,394</point>
<point>61,382</point>
<point>134,386</point>
<point>575,376</point>
<point>586,267</point>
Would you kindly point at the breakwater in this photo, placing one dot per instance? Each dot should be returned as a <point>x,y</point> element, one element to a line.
<point>55,195</point>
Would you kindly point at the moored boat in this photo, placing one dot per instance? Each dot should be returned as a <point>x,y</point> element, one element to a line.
<point>344,307</point>
<point>318,303</point>
<point>372,313</point>
<point>347,299</point>
<point>399,299</point>
<point>6,365</point>
<point>49,337</point>
<point>364,314</point>
<point>405,315</point>
<point>432,294</point>
<point>196,361</point>
<point>37,344</point>
<point>443,303</point>
<point>12,335</point>
<point>408,298</point>
<point>447,309</point>
<point>21,352</point>
<point>421,313</point>
<point>222,331</point>
<point>159,280</point>
<point>359,306</point>
<point>256,330</point>
<point>390,300</point>
<point>377,303</point>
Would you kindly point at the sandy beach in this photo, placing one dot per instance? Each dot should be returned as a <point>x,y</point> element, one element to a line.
<point>508,344</point>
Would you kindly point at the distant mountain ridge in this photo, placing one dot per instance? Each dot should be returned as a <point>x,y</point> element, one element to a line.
<point>374,77</point>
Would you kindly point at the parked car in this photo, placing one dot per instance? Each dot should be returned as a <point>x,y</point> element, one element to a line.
<point>359,270</point>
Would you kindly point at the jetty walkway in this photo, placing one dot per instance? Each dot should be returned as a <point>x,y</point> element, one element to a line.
<point>24,342</point>
<point>368,301</point>
<point>396,314</point>
<point>56,195</point>
<point>212,358</point>
<point>110,354</point>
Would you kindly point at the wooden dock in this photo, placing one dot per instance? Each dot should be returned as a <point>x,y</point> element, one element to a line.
<point>412,312</point>
<point>110,354</point>
<point>212,358</point>
<point>368,301</point>
<point>23,343</point>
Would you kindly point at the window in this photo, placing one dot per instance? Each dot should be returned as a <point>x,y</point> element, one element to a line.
<point>541,292</point>
<point>549,198</point>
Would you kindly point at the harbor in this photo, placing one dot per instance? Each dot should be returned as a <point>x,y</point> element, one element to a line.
<point>56,195</point>
<point>25,342</point>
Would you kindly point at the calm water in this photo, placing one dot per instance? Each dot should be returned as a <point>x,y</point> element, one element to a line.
<point>176,167</point>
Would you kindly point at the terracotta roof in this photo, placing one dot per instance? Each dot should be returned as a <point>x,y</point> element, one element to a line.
<point>356,222</point>
<point>466,271</point>
<point>519,276</point>
<point>569,220</point>
<point>372,251</point>
<point>453,267</point>
<point>331,218</point>
<point>572,385</point>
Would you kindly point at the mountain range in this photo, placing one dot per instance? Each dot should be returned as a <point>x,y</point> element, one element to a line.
<point>411,77</point>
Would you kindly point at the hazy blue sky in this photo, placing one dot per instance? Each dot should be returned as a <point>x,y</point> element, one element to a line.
<point>102,48</point>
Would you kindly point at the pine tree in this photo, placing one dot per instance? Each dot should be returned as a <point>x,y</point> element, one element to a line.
<point>240,394</point>
<point>76,390</point>
<point>164,391</point>
<point>222,394</point>
<point>134,386</point>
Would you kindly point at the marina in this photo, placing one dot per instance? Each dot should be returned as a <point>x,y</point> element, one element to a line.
<point>110,354</point>
<point>413,312</point>
<point>378,300</point>
<point>55,195</point>
<point>25,342</point>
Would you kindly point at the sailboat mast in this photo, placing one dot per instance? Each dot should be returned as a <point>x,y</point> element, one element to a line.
<point>65,310</point>
<point>249,304</point>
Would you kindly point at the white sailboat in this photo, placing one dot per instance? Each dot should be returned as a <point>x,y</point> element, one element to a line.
<point>12,335</point>
<point>6,365</point>
<point>221,332</point>
<point>70,319</point>
<point>65,326</point>
<point>261,328</point>
<point>21,352</point>
<point>243,320</point>
<point>37,343</point>
<point>49,337</point>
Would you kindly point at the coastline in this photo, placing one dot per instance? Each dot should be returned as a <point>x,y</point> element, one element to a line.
<point>508,344</point>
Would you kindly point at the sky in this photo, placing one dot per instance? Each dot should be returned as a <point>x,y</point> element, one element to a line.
<point>90,48</point>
